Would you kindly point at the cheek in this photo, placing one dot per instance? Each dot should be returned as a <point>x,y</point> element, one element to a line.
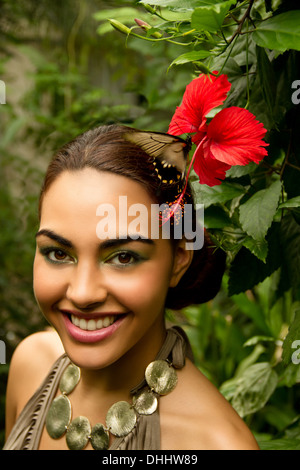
<point>46,284</point>
<point>145,289</point>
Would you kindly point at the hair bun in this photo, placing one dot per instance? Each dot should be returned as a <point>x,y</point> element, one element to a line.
<point>202,280</point>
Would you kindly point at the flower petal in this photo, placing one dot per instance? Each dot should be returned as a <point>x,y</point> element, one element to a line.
<point>180,124</point>
<point>201,95</point>
<point>235,137</point>
<point>209,170</point>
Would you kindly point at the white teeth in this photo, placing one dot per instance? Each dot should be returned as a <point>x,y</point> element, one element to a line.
<point>92,324</point>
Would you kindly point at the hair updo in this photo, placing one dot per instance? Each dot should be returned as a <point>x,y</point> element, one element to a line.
<point>105,149</point>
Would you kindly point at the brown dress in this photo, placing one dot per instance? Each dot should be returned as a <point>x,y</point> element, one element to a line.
<point>29,426</point>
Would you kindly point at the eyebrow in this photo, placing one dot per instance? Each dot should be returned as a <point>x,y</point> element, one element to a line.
<point>54,236</point>
<point>111,242</point>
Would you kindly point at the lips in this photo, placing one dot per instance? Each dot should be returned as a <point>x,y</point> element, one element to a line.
<point>92,328</point>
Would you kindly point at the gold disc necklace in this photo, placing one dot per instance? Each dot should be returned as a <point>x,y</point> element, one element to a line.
<point>121,417</point>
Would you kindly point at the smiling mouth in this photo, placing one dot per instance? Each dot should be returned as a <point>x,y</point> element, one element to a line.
<point>93,324</point>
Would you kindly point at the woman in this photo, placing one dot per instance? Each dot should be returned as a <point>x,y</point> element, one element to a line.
<point>104,284</point>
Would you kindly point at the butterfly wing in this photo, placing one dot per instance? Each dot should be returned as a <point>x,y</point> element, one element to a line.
<point>170,150</point>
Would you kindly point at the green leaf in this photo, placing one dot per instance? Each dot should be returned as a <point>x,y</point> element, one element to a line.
<point>251,310</point>
<point>216,217</point>
<point>267,82</point>
<point>249,360</point>
<point>229,387</point>
<point>210,18</point>
<point>256,215</point>
<point>294,202</point>
<point>180,4</point>
<point>123,14</point>
<point>237,171</point>
<point>280,32</point>
<point>217,194</point>
<point>254,388</point>
<point>290,240</point>
<point>246,270</point>
<point>291,374</point>
<point>258,247</point>
<point>280,444</point>
<point>190,57</point>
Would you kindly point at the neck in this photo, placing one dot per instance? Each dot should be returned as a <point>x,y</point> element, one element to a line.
<point>128,371</point>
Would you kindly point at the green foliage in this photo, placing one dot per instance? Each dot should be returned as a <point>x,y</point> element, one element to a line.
<point>246,343</point>
<point>83,73</point>
<point>281,32</point>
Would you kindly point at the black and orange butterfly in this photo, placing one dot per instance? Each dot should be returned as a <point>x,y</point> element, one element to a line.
<point>169,152</point>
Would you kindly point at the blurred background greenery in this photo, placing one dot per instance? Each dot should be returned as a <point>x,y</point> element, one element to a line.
<point>66,70</point>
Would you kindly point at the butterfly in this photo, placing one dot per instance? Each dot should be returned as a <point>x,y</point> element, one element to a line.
<point>169,152</point>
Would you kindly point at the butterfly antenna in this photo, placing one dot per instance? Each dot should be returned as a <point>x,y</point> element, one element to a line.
<point>180,130</point>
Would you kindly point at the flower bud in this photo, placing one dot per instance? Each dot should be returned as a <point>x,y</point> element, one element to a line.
<point>120,27</point>
<point>145,26</point>
<point>142,24</point>
<point>147,7</point>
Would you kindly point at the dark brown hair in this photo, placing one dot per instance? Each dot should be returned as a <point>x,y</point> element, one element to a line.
<point>105,149</point>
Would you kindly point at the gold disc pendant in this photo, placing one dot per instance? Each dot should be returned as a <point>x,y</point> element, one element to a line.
<point>99,437</point>
<point>58,416</point>
<point>145,403</point>
<point>120,419</point>
<point>70,379</point>
<point>78,433</point>
<point>161,377</point>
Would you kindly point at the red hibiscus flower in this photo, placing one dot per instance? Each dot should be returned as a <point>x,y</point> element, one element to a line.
<point>233,137</point>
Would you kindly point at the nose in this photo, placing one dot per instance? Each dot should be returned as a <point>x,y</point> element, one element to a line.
<point>86,287</point>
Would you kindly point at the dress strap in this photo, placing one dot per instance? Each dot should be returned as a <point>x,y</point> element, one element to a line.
<point>28,428</point>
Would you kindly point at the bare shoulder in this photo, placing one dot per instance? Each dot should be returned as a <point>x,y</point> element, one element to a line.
<point>204,420</point>
<point>30,364</point>
<point>35,353</point>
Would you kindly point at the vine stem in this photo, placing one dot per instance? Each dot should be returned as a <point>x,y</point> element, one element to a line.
<point>293,166</point>
<point>247,68</point>
<point>242,21</point>
<point>219,73</point>
<point>145,38</point>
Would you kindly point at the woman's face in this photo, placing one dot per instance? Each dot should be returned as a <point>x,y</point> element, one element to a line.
<point>101,289</point>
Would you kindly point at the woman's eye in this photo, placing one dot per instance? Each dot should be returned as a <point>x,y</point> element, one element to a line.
<point>56,255</point>
<point>123,259</point>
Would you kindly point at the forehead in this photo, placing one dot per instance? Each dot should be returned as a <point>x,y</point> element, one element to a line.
<point>91,186</point>
<point>78,201</point>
